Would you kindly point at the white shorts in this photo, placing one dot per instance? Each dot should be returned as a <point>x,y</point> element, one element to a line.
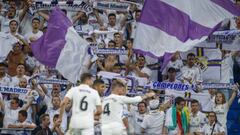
<point>75,131</point>
<point>113,129</point>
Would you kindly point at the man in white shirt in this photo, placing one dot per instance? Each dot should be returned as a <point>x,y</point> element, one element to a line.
<point>137,117</point>
<point>113,107</point>
<point>85,101</point>
<point>153,122</point>
<point>197,118</point>
<point>56,101</point>
<point>35,33</point>
<point>20,74</point>
<point>5,80</point>
<point>190,73</point>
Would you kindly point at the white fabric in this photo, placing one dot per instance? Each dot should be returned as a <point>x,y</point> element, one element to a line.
<point>52,112</point>
<point>33,35</point>
<point>72,57</point>
<point>227,69</point>
<point>114,104</point>
<point>207,129</point>
<point>153,123</point>
<point>221,111</point>
<point>136,120</point>
<point>192,73</point>
<point>83,97</point>
<point>197,122</point>
<point>16,80</point>
<point>203,98</point>
<point>160,41</point>
<point>200,11</point>
<point>5,81</point>
<point>7,42</point>
<point>178,64</point>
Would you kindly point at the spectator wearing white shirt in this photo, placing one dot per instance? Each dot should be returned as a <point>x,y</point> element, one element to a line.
<point>221,106</point>
<point>81,24</point>
<point>22,122</point>
<point>20,74</point>
<point>139,68</point>
<point>176,63</point>
<point>137,117</point>
<point>213,127</point>
<point>197,118</point>
<point>153,122</point>
<point>5,80</point>
<point>55,109</point>
<point>35,33</point>
<point>190,73</point>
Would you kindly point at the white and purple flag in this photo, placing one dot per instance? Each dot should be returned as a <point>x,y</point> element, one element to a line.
<point>178,25</point>
<point>61,47</point>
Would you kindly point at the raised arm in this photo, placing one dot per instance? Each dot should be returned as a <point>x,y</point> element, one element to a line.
<point>44,15</point>
<point>235,89</point>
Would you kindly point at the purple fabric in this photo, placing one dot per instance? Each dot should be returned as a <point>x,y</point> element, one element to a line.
<point>47,48</point>
<point>173,21</point>
<point>166,58</point>
<point>229,6</point>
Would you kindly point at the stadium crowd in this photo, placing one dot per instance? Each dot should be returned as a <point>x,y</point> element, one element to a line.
<point>53,109</point>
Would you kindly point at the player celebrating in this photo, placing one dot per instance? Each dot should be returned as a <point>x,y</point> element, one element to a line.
<point>85,101</point>
<point>112,116</point>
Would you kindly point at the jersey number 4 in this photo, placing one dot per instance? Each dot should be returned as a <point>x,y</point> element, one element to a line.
<point>106,109</point>
<point>83,104</point>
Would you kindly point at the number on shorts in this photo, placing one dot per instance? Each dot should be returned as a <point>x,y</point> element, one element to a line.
<point>83,104</point>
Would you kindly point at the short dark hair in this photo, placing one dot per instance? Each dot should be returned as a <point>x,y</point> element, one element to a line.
<point>137,11</point>
<point>23,113</point>
<point>13,21</point>
<point>21,64</point>
<point>111,41</point>
<point>191,55</point>
<point>171,69</point>
<point>112,14</point>
<point>98,81</point>
<point>85,76</point>
<point>16,100</point>
<point>35,19</point>
<point>178,100</point>
<point>56,116</point>
<point>116,33</point>
<point>43,116</point>
<point>145,104</point>
<point>194,101</point>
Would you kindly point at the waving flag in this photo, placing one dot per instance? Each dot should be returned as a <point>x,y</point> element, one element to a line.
<point>61,47</point>
<point>178,25</point>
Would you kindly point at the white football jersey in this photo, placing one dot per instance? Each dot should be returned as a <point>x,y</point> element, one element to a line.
<point>113,107</point>
<point>85,100</point>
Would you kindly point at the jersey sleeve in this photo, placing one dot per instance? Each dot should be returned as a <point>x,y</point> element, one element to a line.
<point>98,99</point>
<point>70,94</point>
<point>129,100</point>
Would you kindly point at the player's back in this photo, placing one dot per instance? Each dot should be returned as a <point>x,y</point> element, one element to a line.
<point>85,100</point>
<point>112,109</point>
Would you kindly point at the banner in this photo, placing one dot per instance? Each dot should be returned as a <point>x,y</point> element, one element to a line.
<point>15,90</point>
<point>227,36</point>
<point>69,6</point>
<point>93,50</point>
<point>117,6</point>
<point>40,80</point>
